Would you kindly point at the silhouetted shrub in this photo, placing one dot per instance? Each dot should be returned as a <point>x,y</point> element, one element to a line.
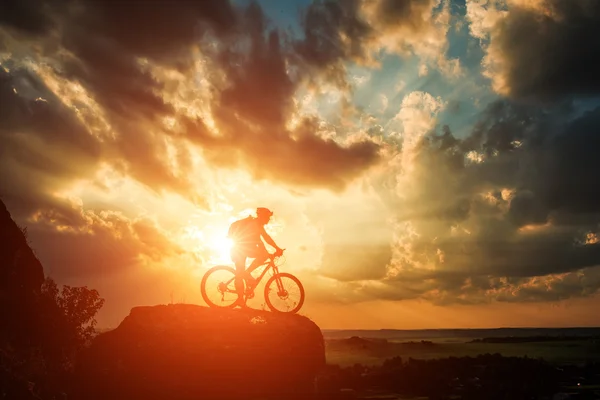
<point>79,306</point>
<point>41,366</point>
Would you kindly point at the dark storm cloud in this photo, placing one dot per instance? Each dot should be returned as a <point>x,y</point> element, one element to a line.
<point>252,113</point>
<point>151,29</point>
<point>581,284</point>
<point>305,160</point>
<point>110,38</point>
<point>41,142</point>
<point>115,78</point>
<point>333,33</point>
<point>107,41</point>
<point>551,53</point>
<point>529,211</point>
<point>337,32</point>
<point>548,156</point>
<point>407,13</point>
<point>572,163</point>
<point>527,255</point>
<point>110,43</point>
<point>30,17</point>
<point>158,29</point>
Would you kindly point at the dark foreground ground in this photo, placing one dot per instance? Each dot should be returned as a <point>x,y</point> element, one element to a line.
<point>550,365</point>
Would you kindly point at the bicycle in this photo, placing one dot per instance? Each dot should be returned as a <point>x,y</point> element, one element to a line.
<point>226,287</point>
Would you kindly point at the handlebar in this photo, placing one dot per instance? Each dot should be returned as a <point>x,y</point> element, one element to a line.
<point>273,254</point>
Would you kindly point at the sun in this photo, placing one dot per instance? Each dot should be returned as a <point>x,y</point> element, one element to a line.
<point>208,242</point>
<point>220,247</point>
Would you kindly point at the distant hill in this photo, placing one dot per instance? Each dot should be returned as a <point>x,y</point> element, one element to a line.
<point>467,334</point>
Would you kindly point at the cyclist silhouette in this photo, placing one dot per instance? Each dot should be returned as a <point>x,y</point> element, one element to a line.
<point>246,235</point>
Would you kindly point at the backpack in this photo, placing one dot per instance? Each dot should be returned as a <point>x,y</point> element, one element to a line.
<point>236,229</point>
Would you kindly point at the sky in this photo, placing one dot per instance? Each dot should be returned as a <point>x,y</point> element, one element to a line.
<point>430,163</point>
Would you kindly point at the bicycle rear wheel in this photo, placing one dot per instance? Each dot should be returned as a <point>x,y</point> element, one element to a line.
<point>218,287</point>
<point>284,293</point>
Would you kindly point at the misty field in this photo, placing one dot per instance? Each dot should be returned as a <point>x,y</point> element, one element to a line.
<point>346,352</point>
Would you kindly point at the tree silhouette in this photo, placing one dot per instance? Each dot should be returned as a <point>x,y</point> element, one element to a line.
<point>79,306</point>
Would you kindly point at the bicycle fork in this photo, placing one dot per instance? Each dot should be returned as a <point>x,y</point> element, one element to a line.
<point>281,292</point>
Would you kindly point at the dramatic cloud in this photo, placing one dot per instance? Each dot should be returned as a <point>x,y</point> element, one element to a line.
<point>35,134</point>
<point>358,30</point>
<point>498,210</point>
<point>115,57</point>
<point>334,32</point>
<point>252,113</point>
<point>540,50</point>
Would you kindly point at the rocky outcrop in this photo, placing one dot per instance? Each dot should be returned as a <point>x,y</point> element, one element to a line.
<point>185,351</point>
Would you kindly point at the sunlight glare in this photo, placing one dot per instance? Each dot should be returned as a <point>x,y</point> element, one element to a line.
<point>208,242</point>
<point>220,248</point>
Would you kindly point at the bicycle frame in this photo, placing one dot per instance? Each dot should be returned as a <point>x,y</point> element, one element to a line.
<point>269,265</point>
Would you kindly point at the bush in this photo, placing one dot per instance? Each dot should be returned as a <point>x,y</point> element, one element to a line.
<point>79,306</point>
<point>40,364</point>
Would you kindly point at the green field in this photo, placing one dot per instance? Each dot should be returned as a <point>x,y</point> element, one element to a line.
<point>376,353</point>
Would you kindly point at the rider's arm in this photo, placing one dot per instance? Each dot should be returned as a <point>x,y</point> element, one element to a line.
<point>269,239</point>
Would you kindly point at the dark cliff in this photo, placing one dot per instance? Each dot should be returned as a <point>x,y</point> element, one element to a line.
<point>33,328</point>
<point>21,278</point>
<point>21,273</point>
<point>186,351</point>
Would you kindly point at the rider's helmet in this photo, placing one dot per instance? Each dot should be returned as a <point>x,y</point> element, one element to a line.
<point>263,212</point>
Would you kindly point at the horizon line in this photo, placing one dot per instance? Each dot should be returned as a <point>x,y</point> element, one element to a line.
<point>460,329</point>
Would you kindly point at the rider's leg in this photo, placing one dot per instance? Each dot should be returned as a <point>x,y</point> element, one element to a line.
<point>238,257</point>
<point>260,255</point>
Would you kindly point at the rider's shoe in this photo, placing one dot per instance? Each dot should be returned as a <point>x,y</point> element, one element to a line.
<point>242,304</point>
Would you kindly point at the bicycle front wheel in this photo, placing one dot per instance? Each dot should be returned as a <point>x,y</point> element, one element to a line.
<point>284,293</point>
<point>218,287</point>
